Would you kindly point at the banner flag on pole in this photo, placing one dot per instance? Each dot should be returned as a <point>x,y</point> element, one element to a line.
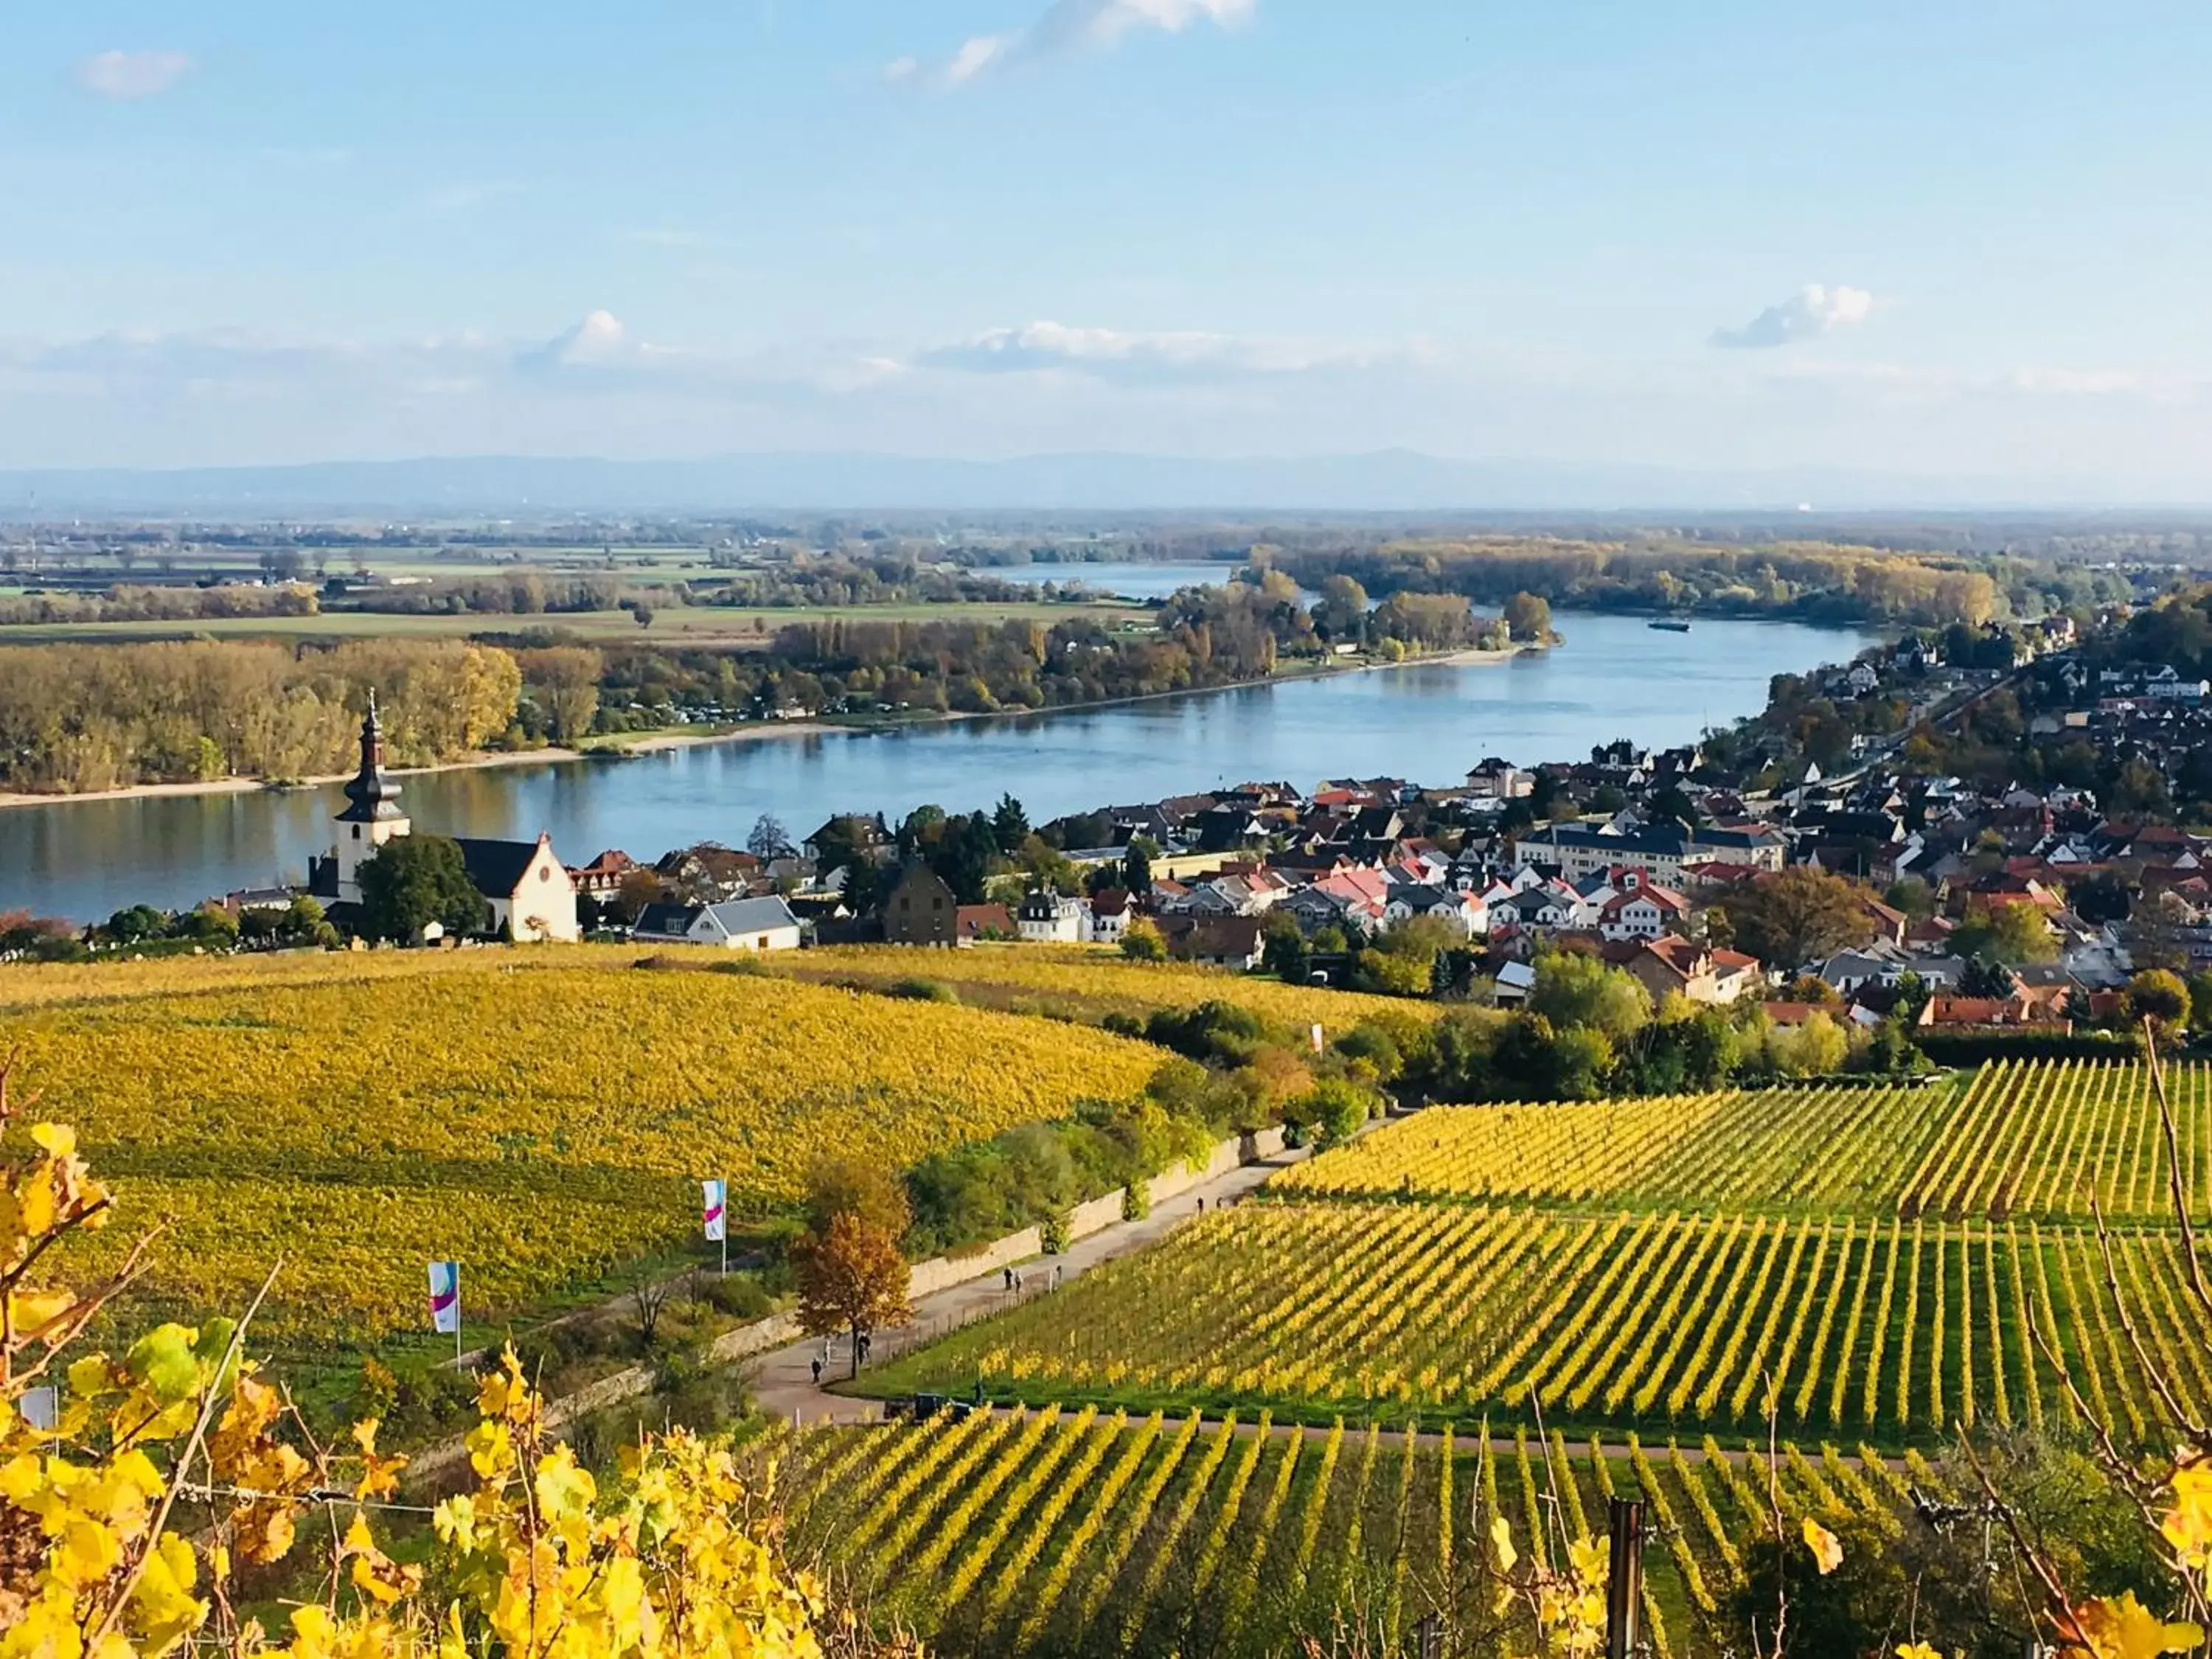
<point>714,1210</point>
<point>41,1408</point>
<point>446,1297</point>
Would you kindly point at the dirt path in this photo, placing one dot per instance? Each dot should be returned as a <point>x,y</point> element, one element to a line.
<point>783,1379</point>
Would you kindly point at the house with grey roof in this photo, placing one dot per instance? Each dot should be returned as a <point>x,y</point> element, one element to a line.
<point>746,924</point>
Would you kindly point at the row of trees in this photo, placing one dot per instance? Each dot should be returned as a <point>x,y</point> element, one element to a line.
<point>1817,581</point>
<point>76,718</point>
<point>83,717</point>
<point>139,603</point>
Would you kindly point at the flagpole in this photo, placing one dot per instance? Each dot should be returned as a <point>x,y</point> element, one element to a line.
<point>457,1315</point>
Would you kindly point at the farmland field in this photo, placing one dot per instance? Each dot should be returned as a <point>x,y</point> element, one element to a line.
<point>2035,1139</point>
<point>541,1125</point>
<point>702,624</point>
<point>1079,1531</point>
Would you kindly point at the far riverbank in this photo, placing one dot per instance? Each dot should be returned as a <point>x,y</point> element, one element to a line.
<point>662,740</point>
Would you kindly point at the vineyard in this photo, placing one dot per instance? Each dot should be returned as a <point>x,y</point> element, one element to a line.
<point>1091,983</point>
<point>1237,1438</point>
<point>2037,1139</point>
<point>1892,1329</point>
<point>541,1126</point>
<point>1083,1531</point>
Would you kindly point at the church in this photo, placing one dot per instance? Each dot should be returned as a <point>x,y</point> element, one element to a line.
<point>531,895</point>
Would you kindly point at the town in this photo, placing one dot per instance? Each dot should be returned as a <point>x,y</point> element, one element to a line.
<point>1734,874</point>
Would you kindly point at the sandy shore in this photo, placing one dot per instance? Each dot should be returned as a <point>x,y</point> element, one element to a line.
<point>656,742</point>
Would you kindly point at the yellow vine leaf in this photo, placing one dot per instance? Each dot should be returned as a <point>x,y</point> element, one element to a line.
<point>2187,1525</point>
<point>1827,1550</point>
<point>2121,1627</point>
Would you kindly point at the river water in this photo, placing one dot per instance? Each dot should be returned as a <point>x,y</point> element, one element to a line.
<point>1614,677</point>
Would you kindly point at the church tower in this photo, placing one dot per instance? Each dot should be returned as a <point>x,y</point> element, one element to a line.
<point>372,815</point>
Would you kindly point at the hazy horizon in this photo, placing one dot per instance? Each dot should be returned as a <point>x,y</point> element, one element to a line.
<point>1379,483</point>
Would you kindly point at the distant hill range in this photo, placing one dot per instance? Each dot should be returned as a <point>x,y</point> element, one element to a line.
<point>1387,481</point>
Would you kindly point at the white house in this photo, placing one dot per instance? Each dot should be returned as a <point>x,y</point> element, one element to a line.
<point>1497,780</point>
<point>532,894</point>
<point>1641,909</point>
<point>1462,912</point>
<point>748,924</point>
<point>1109,915</point>
<point>1048,918</point>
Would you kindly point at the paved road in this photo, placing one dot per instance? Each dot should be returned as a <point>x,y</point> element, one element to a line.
<point>783,1379</point>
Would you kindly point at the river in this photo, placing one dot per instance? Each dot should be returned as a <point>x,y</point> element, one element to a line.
<point>1613,677</point>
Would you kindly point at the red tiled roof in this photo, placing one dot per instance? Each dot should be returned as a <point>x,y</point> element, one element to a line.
<point>973,920</point>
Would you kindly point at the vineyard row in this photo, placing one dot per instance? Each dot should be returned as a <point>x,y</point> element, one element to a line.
<point>2036,1139</point>
<point>1894,1329</point>
<point>1078,1533</point>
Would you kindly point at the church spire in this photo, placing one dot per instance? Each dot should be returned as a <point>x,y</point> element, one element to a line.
<point>371,796</point>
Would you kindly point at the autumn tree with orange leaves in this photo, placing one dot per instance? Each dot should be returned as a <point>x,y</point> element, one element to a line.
<point>852,1278</point>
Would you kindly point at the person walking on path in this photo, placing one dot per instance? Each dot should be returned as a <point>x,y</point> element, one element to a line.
<point>817,1373</point>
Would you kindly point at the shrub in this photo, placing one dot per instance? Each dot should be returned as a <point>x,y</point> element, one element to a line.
<point>1142,941</point>
<point>738,1296</point>
<point>1337,1109</point>
<point>922,990</point>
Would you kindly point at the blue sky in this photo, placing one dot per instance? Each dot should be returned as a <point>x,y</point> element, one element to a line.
<point>1938,238</point>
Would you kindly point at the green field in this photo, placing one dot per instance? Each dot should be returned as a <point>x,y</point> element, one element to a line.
<point>711,625</point>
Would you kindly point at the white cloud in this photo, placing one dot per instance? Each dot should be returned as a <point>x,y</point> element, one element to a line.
<point>599,338</point>
<point>1114,353</point>
<point>127,75</point>
<point>978,55</point>
<point>1068,27</point>
<point>1813,309</point>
